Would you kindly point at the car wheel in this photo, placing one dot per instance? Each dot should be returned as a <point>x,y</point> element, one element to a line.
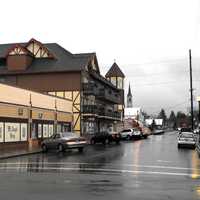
<point>145,136</point>
<point>44,148</point>
<point>80,149</point>
<point>60,148</point>
<point>128,137</point>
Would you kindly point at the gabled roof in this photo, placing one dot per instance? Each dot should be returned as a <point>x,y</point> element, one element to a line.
<point>65,61</point>
<point>114,71</point>
<point>18,49</point>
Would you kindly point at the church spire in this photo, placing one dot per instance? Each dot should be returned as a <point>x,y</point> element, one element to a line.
<point>129,98</point>
<point>129,91</point>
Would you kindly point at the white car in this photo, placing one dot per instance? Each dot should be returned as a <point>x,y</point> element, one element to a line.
<point>186,139</point>
<point>127,134</point>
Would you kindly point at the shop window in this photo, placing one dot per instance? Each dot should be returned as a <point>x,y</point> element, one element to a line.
<point>66,127</point>
<point>50,130</point>
<point>33,131</point>
<point>12,132</point>
<point>24,132</point>
<point>45,131</point>
<point>1,132</point>
<point>39,130</point>
<point>59,128</point>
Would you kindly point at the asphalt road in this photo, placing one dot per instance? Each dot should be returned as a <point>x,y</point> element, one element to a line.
<point>143,169</point>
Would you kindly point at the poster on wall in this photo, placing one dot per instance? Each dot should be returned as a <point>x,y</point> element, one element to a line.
<point>50,130</point>
<point>12,132</point>
<point>1,132</point>
<point>23,132</point>
<point>45,131</point>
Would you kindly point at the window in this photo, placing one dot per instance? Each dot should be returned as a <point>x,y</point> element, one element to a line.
<point>60,94</point>
<point>1,132</point>
<point>45,131</point>
<point>24,135</point>
<point>52,93</point>
<point>12,132</point>
<point>39,130</point>
<point>120,83</point>
<point>113,80</point>
<point>50,130</point>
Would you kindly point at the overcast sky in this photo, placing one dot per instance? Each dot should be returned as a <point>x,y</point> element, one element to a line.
<point>148,38</point>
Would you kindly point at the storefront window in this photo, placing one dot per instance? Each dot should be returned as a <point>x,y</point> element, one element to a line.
<point>33,131</point>
<point>39,130</point>
<point>59,128</point>
<point>66,127</point>
<point>24,132</point>
<point>45,131</point>
<point>12,132</point>
<point>1,132</point>
<point>50,130</point>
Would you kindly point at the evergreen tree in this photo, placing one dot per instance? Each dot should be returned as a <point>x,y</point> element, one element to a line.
<point>163,116</point>
<point>172,120</point>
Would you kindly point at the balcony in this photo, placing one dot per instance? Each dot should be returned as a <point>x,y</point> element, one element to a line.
<point>89,89</point>
<point>103,113</point>
<point>89,109</point>
<point>109,96</point>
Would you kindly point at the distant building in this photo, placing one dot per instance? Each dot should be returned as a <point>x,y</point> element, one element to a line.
<point>129,98</point>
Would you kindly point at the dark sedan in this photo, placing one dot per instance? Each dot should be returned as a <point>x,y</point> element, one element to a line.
<point>106,138</point>
<point>62,141</point>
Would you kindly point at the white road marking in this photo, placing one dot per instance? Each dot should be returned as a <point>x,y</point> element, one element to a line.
<point>135,172</point>
<point>108,164</point>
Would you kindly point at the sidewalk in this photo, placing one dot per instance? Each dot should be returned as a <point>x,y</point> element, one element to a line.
<point>13,152</point>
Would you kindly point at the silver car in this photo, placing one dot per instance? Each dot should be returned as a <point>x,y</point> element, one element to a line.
<point>62,141</point>
<point>186,139</point>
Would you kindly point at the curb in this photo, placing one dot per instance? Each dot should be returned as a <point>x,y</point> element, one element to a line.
<point>21,154</point>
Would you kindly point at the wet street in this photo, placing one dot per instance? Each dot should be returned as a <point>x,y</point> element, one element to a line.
<point>144,169</point>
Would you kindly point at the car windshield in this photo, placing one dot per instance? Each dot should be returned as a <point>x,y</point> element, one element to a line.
<point>127,130</point>
<point>186,135</point>
<point>68,134</point>
<point>186,130</point>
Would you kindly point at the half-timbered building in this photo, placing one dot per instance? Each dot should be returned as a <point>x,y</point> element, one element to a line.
<point>97,102</point>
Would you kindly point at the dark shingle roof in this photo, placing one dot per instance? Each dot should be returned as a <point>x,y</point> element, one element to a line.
<point>115,71</point>
<point>64,60</point>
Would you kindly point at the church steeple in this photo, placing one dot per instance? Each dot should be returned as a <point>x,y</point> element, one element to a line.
<point>129,98</point>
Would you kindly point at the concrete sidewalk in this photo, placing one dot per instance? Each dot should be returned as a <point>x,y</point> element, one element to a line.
<point>13,152</point>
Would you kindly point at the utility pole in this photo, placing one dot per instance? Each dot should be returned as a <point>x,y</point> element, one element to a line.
<point>191,91</point>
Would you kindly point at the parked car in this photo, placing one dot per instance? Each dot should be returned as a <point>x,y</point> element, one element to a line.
<point>185,129</point>
<point>63,141</point>
<point>127,134</point>
<point>137,133</point>
<point>186,139</point>
<point>133,133</point>
<point>105,137</point>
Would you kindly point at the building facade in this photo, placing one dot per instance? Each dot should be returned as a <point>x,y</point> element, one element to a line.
<point>27,117</point>
<point>97,103</point>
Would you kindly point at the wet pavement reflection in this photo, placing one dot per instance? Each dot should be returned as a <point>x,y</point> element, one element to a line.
<point>154,166</point>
